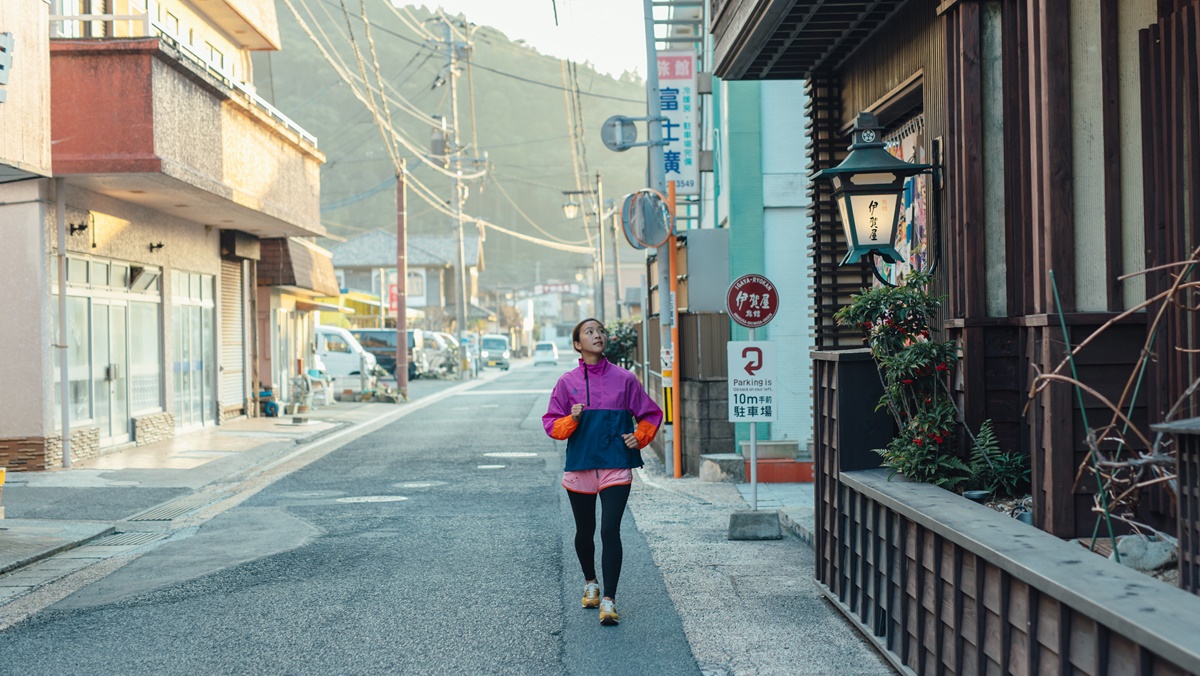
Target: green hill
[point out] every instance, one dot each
(522, 126)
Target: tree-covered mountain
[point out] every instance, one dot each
(511, 99)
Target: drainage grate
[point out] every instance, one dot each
(127, 539)
(180, 506)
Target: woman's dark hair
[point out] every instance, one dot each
(579, 327)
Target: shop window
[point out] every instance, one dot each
(118, 276)
(79, 340)
(906, 140)
(99, 274)
(77, 271)
(145, 359)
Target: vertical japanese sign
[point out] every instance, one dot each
(677, 99)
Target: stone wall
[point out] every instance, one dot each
(85, 444)
(35, 454)
(227, 412)
(705, 421)
(153, 427)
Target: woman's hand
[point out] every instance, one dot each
(630, 441)
(576, 412)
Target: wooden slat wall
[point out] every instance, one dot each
(1170, 54)
(1188, 469)
(934, 606)
(702, 339)
(913, 41)
(832, 285)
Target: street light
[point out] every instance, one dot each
(571, 210)
(867, 186)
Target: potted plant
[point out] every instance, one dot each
(915, 369)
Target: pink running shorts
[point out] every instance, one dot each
(592, 481)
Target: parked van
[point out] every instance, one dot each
(494, 350)
(342, 353)
(382, 344)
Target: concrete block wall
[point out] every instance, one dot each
(704, 418)
(153, 427)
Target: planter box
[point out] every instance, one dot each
(942, 585)
(782, 470)
(773, 449)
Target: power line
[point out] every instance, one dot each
(507, 74)
(343, 72)
(530, 220)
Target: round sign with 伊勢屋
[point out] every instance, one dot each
(752, 301)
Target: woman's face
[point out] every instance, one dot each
(592, 338)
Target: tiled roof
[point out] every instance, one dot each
(377, 249)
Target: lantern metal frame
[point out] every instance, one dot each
(869, 158)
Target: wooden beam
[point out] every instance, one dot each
(1057, 178)
(1111, 98)
(971, 144)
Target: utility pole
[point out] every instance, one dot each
(454, 151)
(616, 257)
(402, 280)
(600, 243)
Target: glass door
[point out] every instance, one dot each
(110, 364)
(195, 365)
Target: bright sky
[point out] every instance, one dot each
(609, 33)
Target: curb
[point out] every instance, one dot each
(800, 521)
(47, 553)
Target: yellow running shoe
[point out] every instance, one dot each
(591, 595)
(608, 613)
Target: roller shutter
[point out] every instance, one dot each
(233, 331)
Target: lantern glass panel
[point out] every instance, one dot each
(847, 228)
(874, 218)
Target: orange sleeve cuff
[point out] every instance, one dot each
(563, 427)
(645, 433)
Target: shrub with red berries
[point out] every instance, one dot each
(915, 372)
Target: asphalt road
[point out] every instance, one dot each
(409, 550)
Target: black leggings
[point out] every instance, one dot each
(583, 505)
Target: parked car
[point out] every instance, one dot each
(341, 352)
(382, 344)
(545, 352)
(494, 350)
(440, 354)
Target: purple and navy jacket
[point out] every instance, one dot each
(613, 400)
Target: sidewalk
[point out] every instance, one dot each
(54, 511)
(794, 502)
(747, 606)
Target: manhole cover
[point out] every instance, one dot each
(510, 454)
(419, 484)
(490, 466)
(373, 498)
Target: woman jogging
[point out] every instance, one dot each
(594, 408)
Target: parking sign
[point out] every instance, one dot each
(752, 381)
